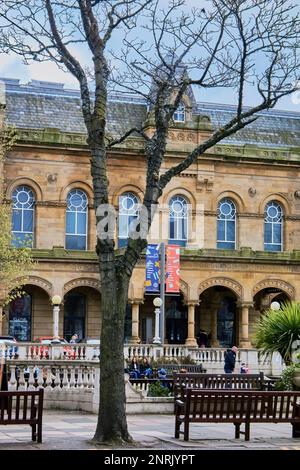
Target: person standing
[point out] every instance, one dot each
(230, 358)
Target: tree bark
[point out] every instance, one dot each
(112, 424)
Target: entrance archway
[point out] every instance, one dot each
(217, 316)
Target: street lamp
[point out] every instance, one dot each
(157, 302)
(275, 306)
(56, 302)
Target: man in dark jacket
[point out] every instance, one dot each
(230, 360)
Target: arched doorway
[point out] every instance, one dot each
(74, 315)
(30, 316)
(81, 313)
(175, 319)
(264, 298)
(217, 316)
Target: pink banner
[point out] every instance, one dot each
(173, 268)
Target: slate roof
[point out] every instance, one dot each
(41, 105)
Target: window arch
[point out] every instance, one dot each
(178, 226)
(76, 220)
(226, 224)
(23, 216)
(128, 214)
(273, 230)
(179, 114)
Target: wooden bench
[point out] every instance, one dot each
(237, 407)
(23, 407)
(175, 368)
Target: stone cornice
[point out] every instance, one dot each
(244, 255)
(56, 138)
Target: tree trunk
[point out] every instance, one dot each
(112, 424)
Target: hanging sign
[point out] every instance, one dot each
(152, 268)
(173, 268)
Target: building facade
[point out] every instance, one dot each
(241, 200)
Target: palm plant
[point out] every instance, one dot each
(276, 330)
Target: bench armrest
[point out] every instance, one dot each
(179, 403)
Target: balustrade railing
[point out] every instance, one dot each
(59, 376)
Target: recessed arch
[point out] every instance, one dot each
(25, 182)
(275, 283)
(82, 282)
(277, 198)
(236, 198)
(221, 281)
(180, 192)
(127, 188)
(77, 185)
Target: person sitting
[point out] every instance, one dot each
(146, 369)
(162, 375)
(244, 369)
(74, 339)
(134, 369)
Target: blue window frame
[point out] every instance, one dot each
(179, 115)
(23, 216)
(178, 227)
(273, 233)
(76, 220)
(226, 225)
(128, 214)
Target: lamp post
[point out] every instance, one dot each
(275, 306)
(56, 302)
(157, 302)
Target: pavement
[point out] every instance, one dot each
(69, 430)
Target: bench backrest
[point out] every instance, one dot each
(216, 381)
(23, 407)
(255, 406)
(172, 368)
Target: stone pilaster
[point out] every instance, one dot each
(135, 321)
(244, 341)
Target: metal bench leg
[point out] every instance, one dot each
(39, 435)
(247, 431)
(186, 430)
(33, 432)
(296, 430)
(237, 430)
(177, 428)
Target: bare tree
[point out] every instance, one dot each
(244, 45)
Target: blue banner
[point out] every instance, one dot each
(152, 268)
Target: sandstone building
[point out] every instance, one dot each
(245, 192)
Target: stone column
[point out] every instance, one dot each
(191, 340)
(214, 326)
(244, 341)
(135, 319)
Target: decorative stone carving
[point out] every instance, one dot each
(82, 282)
(252, 192)
(221, 281)
(278, 284)
(39, 282)
(205, 182)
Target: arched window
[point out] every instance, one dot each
(23, 215)
(178, 229)
(128, 214)
(179, 115)
(226, 225)
(273, 239)
(76, 220)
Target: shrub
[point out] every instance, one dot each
(286, 381)
(157, 390)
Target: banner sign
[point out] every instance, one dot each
(173, 268)
(152, 268)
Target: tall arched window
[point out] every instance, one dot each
(23, 215)
(128, 214)
(179, 115)
(273, 238)
(76, 220)
(226, 225)
(178, 229)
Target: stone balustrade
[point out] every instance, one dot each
(211, 358)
